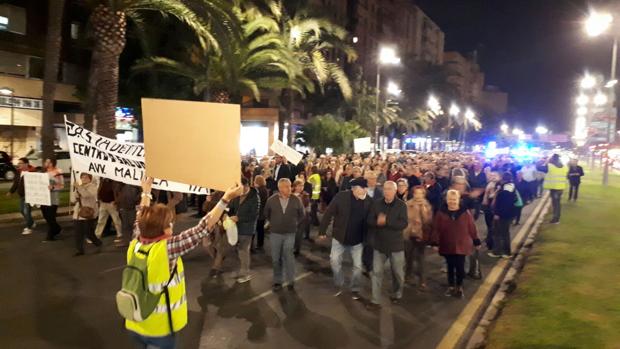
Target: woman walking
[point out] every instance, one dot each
(420, 217)
(85, 213)
(263, 194)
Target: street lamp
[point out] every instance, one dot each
(393, 89)
(504, 128)
(433, 104)
(7, 91)
(542, 130)
(587, 82)
(454, 110)
(582, 100)
(469, 117)
(600, 99)
(582, 111)
(597, 24)
(387, 56)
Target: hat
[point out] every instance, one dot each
(358, 182)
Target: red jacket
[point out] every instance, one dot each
(454, 232)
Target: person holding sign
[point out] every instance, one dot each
(85, 213)
(56, 185)
(23, 166)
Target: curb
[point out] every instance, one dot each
(36, 215)
(492, 309)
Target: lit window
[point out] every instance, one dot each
(75, 30)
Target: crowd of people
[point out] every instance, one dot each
(376, 208)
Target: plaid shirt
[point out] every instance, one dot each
(183, 243)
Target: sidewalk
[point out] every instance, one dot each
(36, 215)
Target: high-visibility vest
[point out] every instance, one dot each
(556, 177)
(157, 324)
(315, 180)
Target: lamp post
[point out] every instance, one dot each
(7, 91)
(387, 55)
(597, 24)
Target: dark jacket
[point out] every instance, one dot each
(284, 222)
(339, 210)
(378, 194)
(454, 232)
(345, 183)
(246, 212)
(127, 196)
(18, 183)
(328, 190)
(504, 205)
(434, 196)
(574, 174)
(263, 195)
(284, 172)
(388, 238)
(479, 181)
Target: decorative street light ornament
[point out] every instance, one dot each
(598, 23)
(582, 100)
(588, 82)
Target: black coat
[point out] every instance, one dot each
(284, 172)
(339, 210)
(247, 212)
(388, 238)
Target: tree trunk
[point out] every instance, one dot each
(109, 30)
(53, 42)
(91, 93)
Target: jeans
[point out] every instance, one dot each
(53, 228)
(518, 211)
(573, 192)
(335, 258)
(85, 228)
(303, 230)
(556, 202)
(107, 209)
(282, 257)
(26, 211)
(128, 218)
(397, 264)
(414, 255)
(243, 249)
(456, 269)
(488, 219)
(144, 342)
(502, 236)
(314, 208)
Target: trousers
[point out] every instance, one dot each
(282, 257)
(397, 265)
(335, 258)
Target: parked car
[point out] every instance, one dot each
(7, 170)
(63, 160)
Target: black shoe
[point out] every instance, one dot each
(291, 287)
(49, 240)
(373, 307)
(355, 295)
(296, 253)
(77, 254)
(276, 287)
(395, 300)
(214, 273)
(449, 292)
(458, 293)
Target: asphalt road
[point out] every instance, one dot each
(50, 299)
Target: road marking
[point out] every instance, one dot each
(461, 324)
(112, 269)
(269, 292)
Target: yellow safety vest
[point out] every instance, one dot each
(157, 324)
(556, 177)
(315, 180)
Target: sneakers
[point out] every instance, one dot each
(26, 231)
(449, 292)
(118, 239)
(458, 293)
(493, 255)
(244, 279)
(355, 295)
(395, 300)
(276, 287)
(373, 306)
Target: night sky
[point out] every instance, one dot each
(533, 49)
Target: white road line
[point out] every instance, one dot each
(112, 269)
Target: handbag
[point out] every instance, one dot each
(85, 212)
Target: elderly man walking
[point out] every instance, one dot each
(348, 210)
(284, 212)
(387, 220)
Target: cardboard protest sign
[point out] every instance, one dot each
(192, 142)
(36, 186)
(362, 145)
(108, 158)
(289, 153)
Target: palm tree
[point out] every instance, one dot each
(109, 22)
(53, 42)
(256, 61)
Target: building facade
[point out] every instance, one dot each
(465, 75)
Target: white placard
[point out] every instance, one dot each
(362, 145)
(36, 186)
(289, 153)
(108, 158)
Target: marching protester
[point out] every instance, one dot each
(349, 211)
(154, 240)
(555, 181)
(283, 212)
(575, 172)
(528, 172)
(127, 198)
(216, 244)
(403, 191)
(56, 185)
(374, 190)
(503, 213)
(315, 180)
(107, 208)
(263, 194)
(281, 170)
(490, 192)
(454, 235)
(433, 191)
(303, 229)
(329, 187)
(387, 219)
(23, 166)
(85, 213)
(244, 210)
(417, 234)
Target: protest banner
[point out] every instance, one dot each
(192, 142)
(362, 145)
(289, 153)
(36, 186)
(108, 158)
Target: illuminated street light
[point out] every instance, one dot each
(433, 104)
(393, 89)
(587, 82)
(454, 110)
(355, 39)
(597, 23)
(387, 55)
(600, 99)
(582, 100)
(504, 127)
(582, 111)
(469, 115)
(295, 33)
(611, 83)
(517, 132)
(542, 130)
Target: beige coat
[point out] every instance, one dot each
(420, 217)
